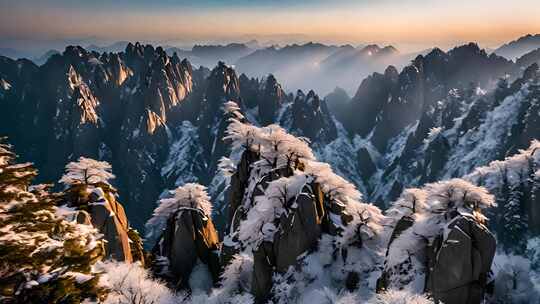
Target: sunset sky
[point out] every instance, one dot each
(409, 23)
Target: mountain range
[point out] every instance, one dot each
(159, 121)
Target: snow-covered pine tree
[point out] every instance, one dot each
(43, 257)
(87, 171)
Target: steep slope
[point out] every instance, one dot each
(519, 47)
(462, 132)
(111, 106)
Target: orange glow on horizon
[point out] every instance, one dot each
(435, 24)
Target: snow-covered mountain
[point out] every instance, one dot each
(160, 122)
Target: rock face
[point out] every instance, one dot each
(311, 118)
(439, 244)
(110, 106)
(455, 276)
(394, 100)
(270, 101)
(299, 232)
(189, 238)
(100, 209)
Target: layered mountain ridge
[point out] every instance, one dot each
(129, 108)
(159, 121)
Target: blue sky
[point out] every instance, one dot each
(400, 22)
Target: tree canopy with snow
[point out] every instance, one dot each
(87, 171)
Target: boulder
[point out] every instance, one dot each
(189, 238)
(299, 232)
(459, 265)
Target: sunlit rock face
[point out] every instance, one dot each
(96, 205)
(110, 106)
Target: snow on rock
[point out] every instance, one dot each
(183, 159)
(431, 205)
(285, 173)
(476, 147)
(189, 196)
(515, 166)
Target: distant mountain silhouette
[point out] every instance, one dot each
(209, 55)
(519, 47)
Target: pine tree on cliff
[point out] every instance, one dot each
(43, 257)
(89, 191)
(87, 171)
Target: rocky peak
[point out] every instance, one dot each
(187, 237)
(270, 100)
(311, 118)
(372, 94)
(222, 86)
(528, 59)
(388, 50)
(371, 49)
(391, 73)
(249, 89)
(86, 102)
(397, 101)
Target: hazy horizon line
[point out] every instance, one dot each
(44, 45)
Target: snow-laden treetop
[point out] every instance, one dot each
(441, 197)
(456, 193)
(514, 169)
(272, 142)
(87, 171)
(277, 148)
(432, 209)
(190, 196)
